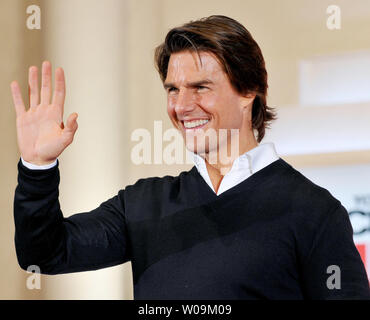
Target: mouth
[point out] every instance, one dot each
(194, 124)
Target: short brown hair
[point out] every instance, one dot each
(237, 51)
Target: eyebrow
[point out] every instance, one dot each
(194, 84)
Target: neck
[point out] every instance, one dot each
(218, 169)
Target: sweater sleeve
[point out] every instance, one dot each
(334, 269)
(81, 242)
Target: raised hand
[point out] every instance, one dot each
(41, 133)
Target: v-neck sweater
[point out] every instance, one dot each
(275, 235)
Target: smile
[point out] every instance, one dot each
(195, 123)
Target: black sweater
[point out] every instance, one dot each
(273, 236)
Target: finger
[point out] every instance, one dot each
(33, 87)
(59, 90)
(17, 98)
(46, 83)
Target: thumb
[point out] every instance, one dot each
(71, 127)
(72, 122)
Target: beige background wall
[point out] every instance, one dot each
(106, 49)
(19, 48)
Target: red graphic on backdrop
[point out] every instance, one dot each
(363, 250)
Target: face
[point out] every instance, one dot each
(200, 97)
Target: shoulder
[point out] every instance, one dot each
(309, 207)
(302, 191)
(305, 204)
(164, 180)
(155, 197)
(151, 190)
(310, 210)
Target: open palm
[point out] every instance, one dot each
(41, 134)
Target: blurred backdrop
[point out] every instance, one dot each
(319, 71)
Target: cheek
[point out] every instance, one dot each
(172, 113)
(170, 108)
(216, 105)
(227, 111)
(208, 103)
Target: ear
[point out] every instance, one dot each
(246, 104)
(246, 101)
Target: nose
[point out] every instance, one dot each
(184, 102)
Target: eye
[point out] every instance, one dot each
(201, 88)
(172, 89)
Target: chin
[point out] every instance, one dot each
(195, 149)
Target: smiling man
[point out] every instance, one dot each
(246, 226)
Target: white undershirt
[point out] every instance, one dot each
(243, 166)
(38, 167)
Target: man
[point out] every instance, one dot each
(247, 226)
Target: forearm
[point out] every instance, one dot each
(39, 232)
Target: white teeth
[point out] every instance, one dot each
(195, 123)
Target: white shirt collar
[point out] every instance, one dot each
(243, 166)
